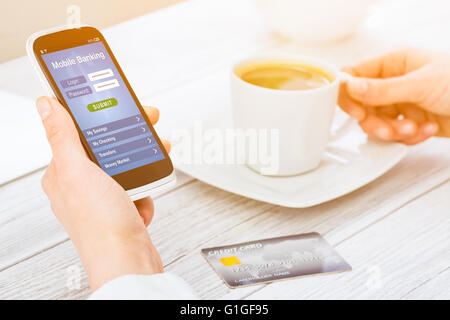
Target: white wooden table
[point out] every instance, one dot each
(395, 232)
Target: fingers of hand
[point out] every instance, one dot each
(388, 78)
(152, 114)
(390, 111)
(377, 128)
(48, 179)
(353, 108)
(145, 208)
(410, 111)
(425, 131)
(444, 125)
(166, 144)
(421, 116)
(381, 92)
(61, 132)
(384, 124)
(366, 68)
(390, 64)
(405, 130)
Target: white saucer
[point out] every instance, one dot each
(352, 161)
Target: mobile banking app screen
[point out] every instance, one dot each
(103, 107)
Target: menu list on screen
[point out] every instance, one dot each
(103, 107)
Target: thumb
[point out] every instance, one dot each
(381, 92)
(61, 132)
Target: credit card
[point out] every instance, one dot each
(269, 260)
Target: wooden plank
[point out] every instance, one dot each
(58, 265)
(178, 214)
(436, 288)
(27, 225)
(390, 257)
(356, 211)
(197, 216)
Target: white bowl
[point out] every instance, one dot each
(314, 21)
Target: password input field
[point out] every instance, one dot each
(105, 85)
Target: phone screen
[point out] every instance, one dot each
(103, 107)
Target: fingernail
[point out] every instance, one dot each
(383, 133)
(407, 128)
(431, 129)
(43, 107)
(358, 85)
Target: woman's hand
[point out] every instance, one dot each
(402, 96)
(107, 228)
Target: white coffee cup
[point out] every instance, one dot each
(301, 118)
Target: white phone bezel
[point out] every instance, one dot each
(151, 189)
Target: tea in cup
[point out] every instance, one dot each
(292, 97)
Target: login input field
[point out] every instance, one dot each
(101, 74)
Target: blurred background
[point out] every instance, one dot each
(25, 17)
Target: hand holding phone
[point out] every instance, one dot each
(81, 71)
(107, 228)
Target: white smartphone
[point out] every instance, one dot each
(78, 67)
